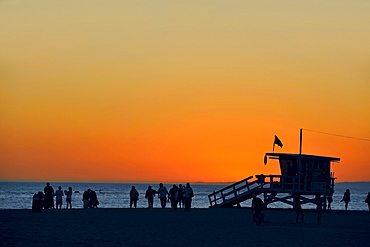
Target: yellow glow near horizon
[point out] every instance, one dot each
(180, 91)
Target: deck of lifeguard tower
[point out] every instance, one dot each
(310, 176)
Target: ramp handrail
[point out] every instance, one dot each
(231, 190)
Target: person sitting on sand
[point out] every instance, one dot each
(134, 196)
(59, 197)
(150, 194)
(346, 198)
(49, 196)
(68, 197)
(298, 209)
(367, 200)
(188, 195)
(162, 194)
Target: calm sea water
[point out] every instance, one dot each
(18, 195)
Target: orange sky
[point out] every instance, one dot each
(180, 90)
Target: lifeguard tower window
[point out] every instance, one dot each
(288, 167)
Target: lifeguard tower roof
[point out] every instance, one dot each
(303, 156)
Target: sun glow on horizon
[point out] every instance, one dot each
(180, 91)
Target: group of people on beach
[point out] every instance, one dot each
(89, 197)
(49, 194)
(178, 196)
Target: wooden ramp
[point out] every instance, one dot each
(236, 193)
(273, 187)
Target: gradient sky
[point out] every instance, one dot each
(125, 91)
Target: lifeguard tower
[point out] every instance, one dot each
(301, 176)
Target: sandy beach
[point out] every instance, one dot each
(163, 227)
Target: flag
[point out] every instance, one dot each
(277, 142)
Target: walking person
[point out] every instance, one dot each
(180, 196)
(319, 205)
(330, 200)
(49, 196)
(257, 207)
(298, 209)
(134, 196)
(68, 197)
(150, 194)
(162, 194)
(173, 197)
(346, 198)
(188, 195)
(59, 197)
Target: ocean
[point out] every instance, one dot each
(18, 195)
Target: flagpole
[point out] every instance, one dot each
(300, 141)
(299, 159)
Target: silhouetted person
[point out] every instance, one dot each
(150, 194)
(86, 198)
(257, 207)
(49, 193)
(38, 202)
(330, 200)
(298, 209)
(188, 195)
(68, 194)
(319, 205)
(346, 198)
(367, 200)
(59, 197)
(93, 200)
(162, 194)
(180, 196)
(134, 196)
(173, 196)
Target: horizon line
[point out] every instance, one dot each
(137, 182)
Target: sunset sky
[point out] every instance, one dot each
(138, 91)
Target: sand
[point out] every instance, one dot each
(163, 227)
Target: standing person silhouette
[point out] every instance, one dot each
(86, 198)
(150, 194)
(162, 194)
(49, 193)
(257, 207)
(298, 209)
(319, 204)
(330, 200)
(94, 202)
(346, 198)
(173, 196)
(68, 197)
(188, 195)
(59, 197)
(134, 196)
(367, 200)
(180, 196)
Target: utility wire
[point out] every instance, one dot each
(362, 139)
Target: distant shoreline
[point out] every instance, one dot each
(115, 182)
